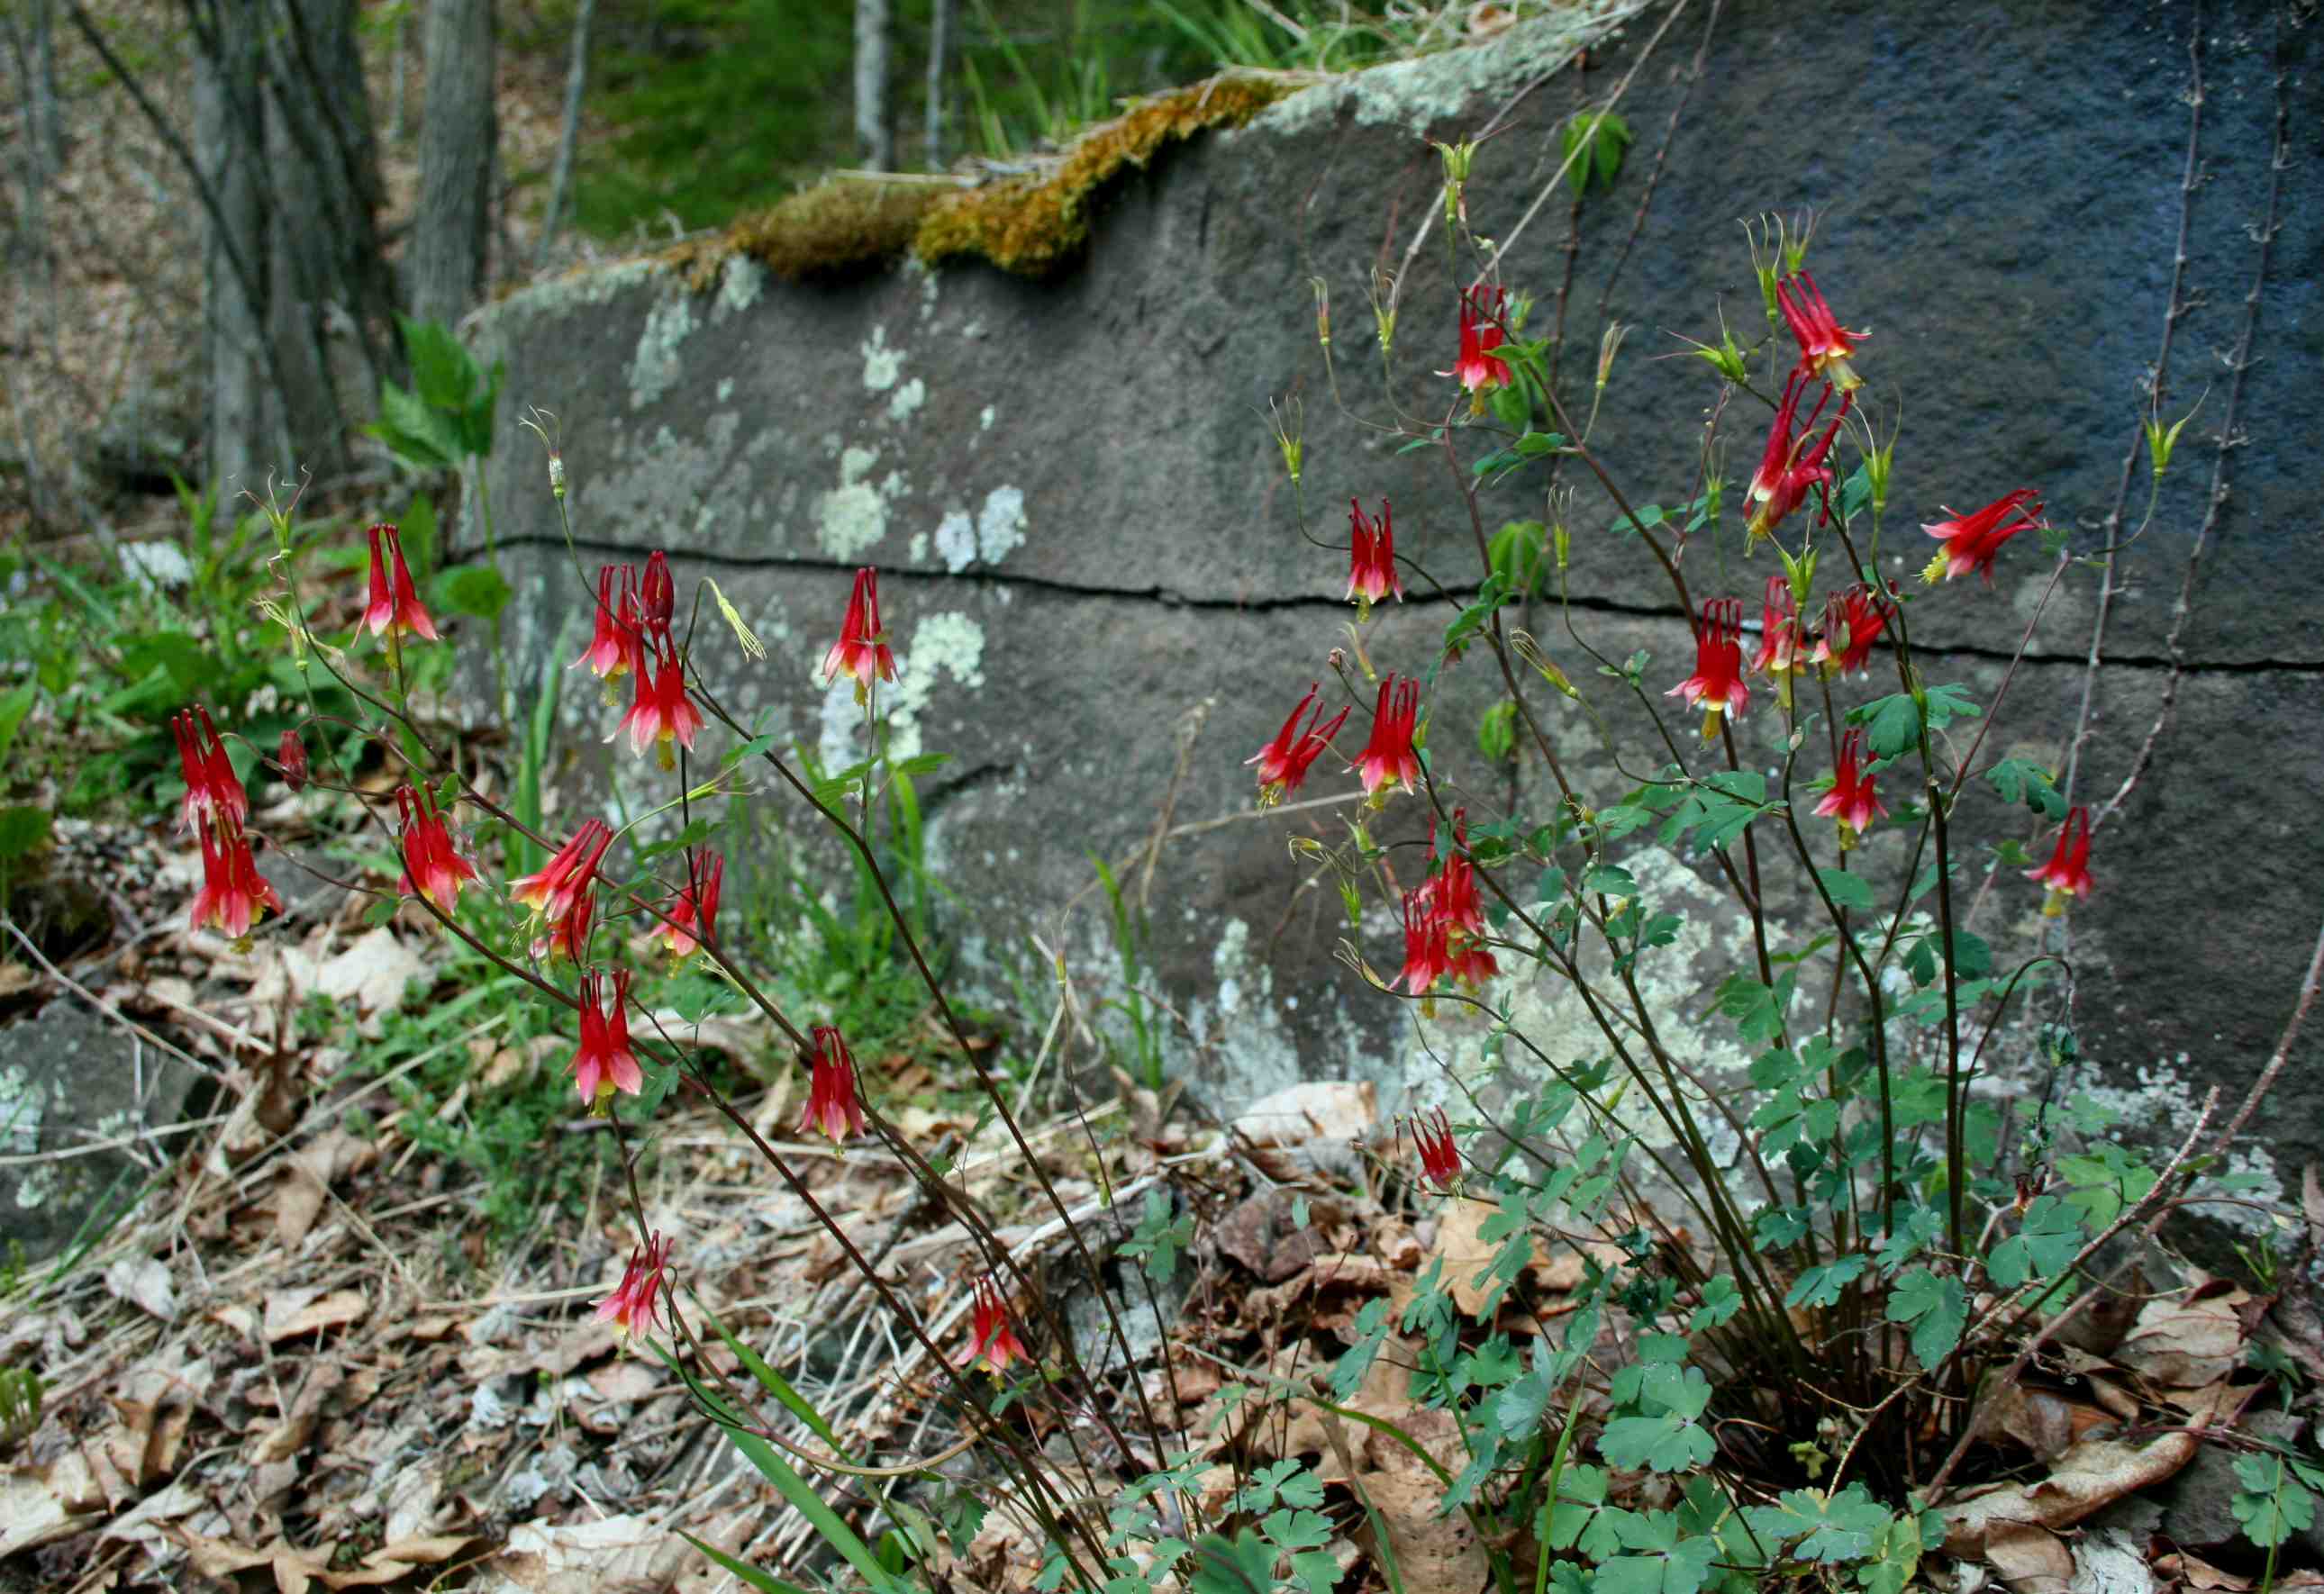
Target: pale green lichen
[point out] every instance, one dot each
(656, 366)
(1418, 95)
(881, 364)
(852, 516)
(947, 646)
(740, 283)
(906, 399)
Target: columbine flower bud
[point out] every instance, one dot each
(291, 757)
(1323, 310)
(557, 475)
(657, 594)
(1290, 425)
(1384, 311)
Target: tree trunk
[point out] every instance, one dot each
(323, 165)
(875, 130)
(246, 433)
(940, 50)
(568, 132)
(456, 133)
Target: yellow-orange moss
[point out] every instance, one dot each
(1032, 224)
(835, 229)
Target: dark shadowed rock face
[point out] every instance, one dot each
(1083, 529)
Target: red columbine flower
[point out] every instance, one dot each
(1478, 370)
(1371, 559)
(631, 1306)
(1283, 763)
(2068, 872)
(617, 646)
(1453, 892)
(1388, 758)
(291, 758)
(211, 786)
(1790, 466)
(568, 932)
(551, 893)
(1825, 346)
(1852, 622)
(395, 604)
(662, 711)
(1781, 644)
(862, 650)
(233, 896)
(992, 1337)
(831, 1106)
(656, 595)
(1427, 950)
(1851, 800)
(432, 867)
(1973, 542)
(693, 913)
(1717, 684)
(1440, 1158)
(603, 1063)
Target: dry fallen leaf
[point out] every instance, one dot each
(145, 1283)
(1434, 1554)
(308, 1311)
(2087, 1479)
(41, 1504)
(2186, 1342)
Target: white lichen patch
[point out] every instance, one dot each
(906, 399)
(881, 364)
(20, 1113)
(917, 548)
(1419, 94)
(726, 389)
(852, 516)
(985, 420)
(655, 367)
(740, 283)
(997, 530)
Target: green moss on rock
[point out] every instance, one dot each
(1032, 224)
(843, 228)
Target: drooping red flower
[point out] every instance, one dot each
(1826, 346)
(1481, 334)
(1440, 1157)
(568, 932)
(1973, 542)
(693, 912)
(1782, 644)
(604, 1063)
(1717, 686)
(1371, 559)
(212, 788)
(1790, 467)
(1389, 758)
(656, 595)
(1853, 623)
(861, 651)
(617, 645)
(2068, 872)
(1427, 951)
(432, 867)
(662, 713)
(1451, 892)
(1283, 763)
(395, 604)
(993, 1336)
(832, 1108)
(631, 1306)
(1852, 799)
(551, 892)
(233, 896)
(291, 758)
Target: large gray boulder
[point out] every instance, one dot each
(1084, 528)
